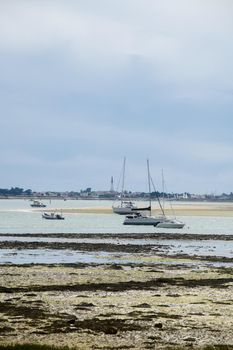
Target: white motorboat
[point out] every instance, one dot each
(53, 216)
(170, 223)
(37, 204)
(139, 219)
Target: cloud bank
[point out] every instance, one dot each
(85, 83)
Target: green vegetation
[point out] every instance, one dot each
(15, 191)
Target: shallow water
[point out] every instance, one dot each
(47, 256)
(16, 216)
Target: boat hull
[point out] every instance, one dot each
(141, 220)
(170, 225)
(52, 217)
(37, 204)
(129, 210)
(122, 210)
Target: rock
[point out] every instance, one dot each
(158, 325)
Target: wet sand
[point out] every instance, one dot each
(116, 306)
(155, 302)
(152, 247)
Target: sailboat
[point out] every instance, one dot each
(126, 206)
(139, 219)
(168, 222)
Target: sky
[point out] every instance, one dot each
(85, 83)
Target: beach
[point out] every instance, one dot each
(117, 306)
(112, 288)
(145, 300)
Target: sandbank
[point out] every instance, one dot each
(179, 209)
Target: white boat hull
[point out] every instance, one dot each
(122, 210)
(52, 216)
(142, 220)
(128, 209)
(170, 224)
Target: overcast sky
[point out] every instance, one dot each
(84, 83)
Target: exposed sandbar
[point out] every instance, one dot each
(180, 209)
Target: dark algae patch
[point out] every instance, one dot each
(12, 309)
(107, 326)
(124, 286)
(153, 235)
(116, 306)
(33, 347)
(151, 341)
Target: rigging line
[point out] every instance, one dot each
(149, 182)
(163, 189)
(118, 185)
(123, 179)
(161, 207)
(119, 180)
(170, 202)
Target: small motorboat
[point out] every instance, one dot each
(139, 219)
(37, 204)
(53, 216)
(170, 223)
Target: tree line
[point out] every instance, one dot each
(15, 191)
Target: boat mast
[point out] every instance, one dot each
(149, 185)
(123, 182)
(163, 186)
(157, 196)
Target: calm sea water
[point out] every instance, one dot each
(16, 216)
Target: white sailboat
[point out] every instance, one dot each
(168, 222)
(139, 219)
(126, 206)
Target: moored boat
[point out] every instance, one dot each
(170, 223)
(126, 206)
(139, 219)
(53, 216)
(37, 204)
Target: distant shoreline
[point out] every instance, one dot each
(112, 199)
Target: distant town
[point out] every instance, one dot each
(88, 193)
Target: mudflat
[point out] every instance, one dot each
(146, 305)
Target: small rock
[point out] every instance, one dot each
(158, 325)
(190, 339)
